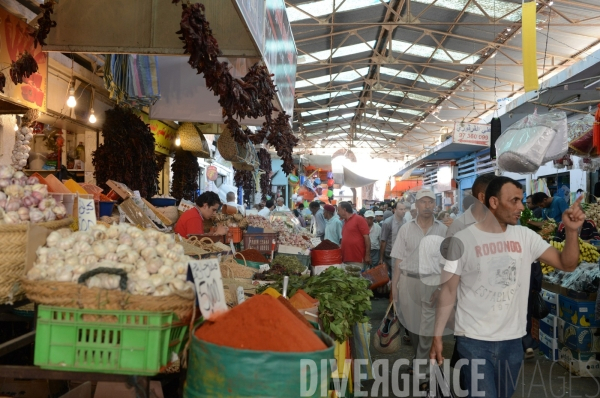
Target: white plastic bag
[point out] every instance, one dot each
(532, 141)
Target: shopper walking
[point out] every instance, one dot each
(389, 232)
(317, 225)
(356, 244)
(487, 268)
(333, 225)
(415, 277)
(374, 236)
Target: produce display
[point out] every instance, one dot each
(290, 263)
(587, 253)
(592, 212)
(265, 178)
(230, 220)
(548, 230)
(244, 178)
(326, 245)
(154, 263)
(251, 255)
(276, 272)
(343, 299)
(23, 67)
(288, 235)
(24, 199)
(585, 278)
(260, 323)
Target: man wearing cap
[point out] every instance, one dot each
(389, 232)
(333, 225)
(415, 277)
(374, 235)
(379, 217)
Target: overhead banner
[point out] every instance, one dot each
(163, 134)
(529, 49)
(15, 40)
(472, 133)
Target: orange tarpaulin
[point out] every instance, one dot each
(402, 186)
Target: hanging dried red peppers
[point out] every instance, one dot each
(45, 23)
(185, 175)
(2, 82)
(244, 179)
(23, 67)
(283, 140)
(127, 154)
(265, 165)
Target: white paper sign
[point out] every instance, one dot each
(472, 133)
(209, 286)
(315, 241)
(86, 213)
(264, 267)
(240, 295)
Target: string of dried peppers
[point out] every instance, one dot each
(264, 159)
(251, 96)
(185, 175)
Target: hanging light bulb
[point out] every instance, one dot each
(177, 141)
(71, 101)
(16, 128)
(377, 113)
(92, 116)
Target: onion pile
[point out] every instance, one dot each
(20, 152)
(24, 199)
(155, 264)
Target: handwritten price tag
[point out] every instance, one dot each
(315, 241)
(240, 295)
(86, 213)
(209, 286)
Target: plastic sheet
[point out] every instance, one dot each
(581, 137)
(533, 141)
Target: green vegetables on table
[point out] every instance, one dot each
(291, 263)
(343, 299)
(526, 215)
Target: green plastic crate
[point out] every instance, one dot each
(106, 341)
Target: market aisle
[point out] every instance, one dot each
(542, 377)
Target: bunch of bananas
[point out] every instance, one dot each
(587, 253)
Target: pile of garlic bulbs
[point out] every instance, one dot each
(154, 263)
(20, 152)
(24, 199)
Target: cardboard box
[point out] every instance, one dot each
(548, 341)
(583, 364)
(578, 312)
(24, 388)
(551, 299)
(285, 249)
(550, 287)
(578, 338)
(574, 294)
(550, 353)
(549, 326)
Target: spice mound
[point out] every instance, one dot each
(326, 245)
(260, 323)
(251, 255)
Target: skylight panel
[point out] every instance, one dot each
(338, 52)
(323, 96)
(394, 108)
(420, 50)
(325, 7)
(494, 8)
(387, 119)
(346, 76)
(330, 109)
(329, 119)
(436, 81)
(416, 97)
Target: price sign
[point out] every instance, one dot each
(264, 267)
(209, 286)
(315, 241)
(240, 295)
(86, 212)
(472, 133)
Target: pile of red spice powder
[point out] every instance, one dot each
(326, 245)
(251, 255)
(260, 323)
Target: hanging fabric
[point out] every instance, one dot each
(496, 131)
(132, 79)
(596, 130)
(529, 32)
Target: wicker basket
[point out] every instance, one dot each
(193, 140)
(13, 252)
(73, 295)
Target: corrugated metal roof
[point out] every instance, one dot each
(415, 66)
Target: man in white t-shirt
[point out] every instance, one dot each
(487, 271)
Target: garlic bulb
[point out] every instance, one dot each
(35, 215)
(125, 239)
(99, 249)
(73, 261)
(131, 256)
(65, 232)
(180, 268)
(161, 249)
(152, 234)
(165, 239)
(140, 243)
(81, 236)
(163, 290)
(156, 280)
(111, 257)
(135, 232)
(153, 265)
(167, 272)
(122, 248)
(81, 246)
(53, 239)
(65, 243)
(148, 252)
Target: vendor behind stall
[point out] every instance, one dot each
(192, 221)
(587, 231)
